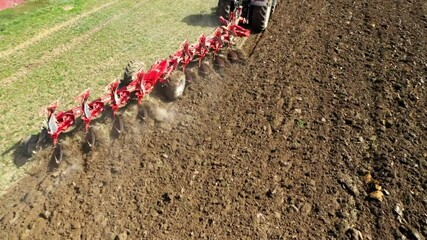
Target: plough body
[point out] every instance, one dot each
(144, 82)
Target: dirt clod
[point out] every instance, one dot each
(46, 215)
(354, 234)
(75, 225)
(116, 170)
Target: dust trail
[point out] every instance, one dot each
(54, 29)
(23, 71)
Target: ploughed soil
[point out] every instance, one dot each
(320, 134)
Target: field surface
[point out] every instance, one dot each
(53, 50)
(321, 134)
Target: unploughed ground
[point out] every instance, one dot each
(277, 148)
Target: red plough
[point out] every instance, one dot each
(144, 82)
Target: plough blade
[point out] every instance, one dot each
(142, 113)
(204, 69)
(117, 126)
(233, 56)
(57, 153)
(219, 62)
(90, 138)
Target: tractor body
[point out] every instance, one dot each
(257, 12)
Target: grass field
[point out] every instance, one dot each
(56, 49)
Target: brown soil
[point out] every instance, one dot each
(278, 148)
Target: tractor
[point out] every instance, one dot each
(256, 12)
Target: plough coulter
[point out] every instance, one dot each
(170, 73)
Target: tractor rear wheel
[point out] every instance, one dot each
(224, 8)
(129, 74)
(261, 16)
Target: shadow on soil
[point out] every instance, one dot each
(202, 19)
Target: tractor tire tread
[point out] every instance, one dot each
(130, 70)
(260, 18)
(224, 9)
